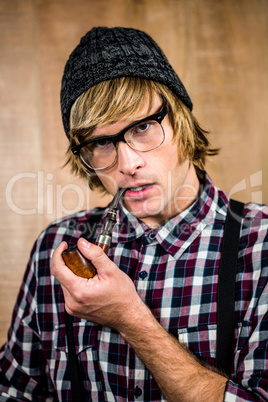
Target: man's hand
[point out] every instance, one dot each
(108, 299)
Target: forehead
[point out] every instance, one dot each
(135, 112)
(143, 110)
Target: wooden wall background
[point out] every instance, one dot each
(218, 48)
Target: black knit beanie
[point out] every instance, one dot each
(106, 53)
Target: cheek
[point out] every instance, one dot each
(108, 181)
(170, 159)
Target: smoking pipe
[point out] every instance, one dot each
(75, 260)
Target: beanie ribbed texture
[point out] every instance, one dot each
(106, 53)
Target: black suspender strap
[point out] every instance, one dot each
(226, 287)
(77, 387)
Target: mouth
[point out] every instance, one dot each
(138, 191)
(138, 188)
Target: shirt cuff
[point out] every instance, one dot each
(236, 393)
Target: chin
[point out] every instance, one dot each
(145, 211)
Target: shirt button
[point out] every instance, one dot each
(137, 392)
(143, 274)
(151, 236)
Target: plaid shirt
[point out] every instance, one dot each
(175, 271)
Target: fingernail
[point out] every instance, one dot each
(85, 243)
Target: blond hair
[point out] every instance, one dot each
(123, 98)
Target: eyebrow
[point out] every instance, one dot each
(125, 129)
(87, 132)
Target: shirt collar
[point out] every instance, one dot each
(179, 232)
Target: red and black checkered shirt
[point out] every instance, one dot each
(175, 271)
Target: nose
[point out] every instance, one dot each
(128, 160)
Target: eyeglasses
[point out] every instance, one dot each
(143, 135)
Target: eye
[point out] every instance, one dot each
(101, 143)
(141, 128)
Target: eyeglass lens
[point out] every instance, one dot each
(144, 137)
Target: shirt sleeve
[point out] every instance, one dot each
(23, 367)
(250, 373)
(252, 370)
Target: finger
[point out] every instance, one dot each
(96, 255)
(57, 259)
(68, 301)
(61, 272)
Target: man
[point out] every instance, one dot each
(145, 325)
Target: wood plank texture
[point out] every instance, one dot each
(218, 48)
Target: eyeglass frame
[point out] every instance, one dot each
(115, 138)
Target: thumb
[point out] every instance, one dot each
(96, 255)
